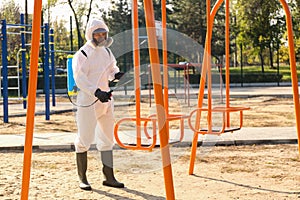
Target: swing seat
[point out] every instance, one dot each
(138, 145)
(151, 118)
(220, 109)
(170, 117)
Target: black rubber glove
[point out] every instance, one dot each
(119, 75)
(103, 96)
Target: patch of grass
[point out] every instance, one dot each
(283, 69)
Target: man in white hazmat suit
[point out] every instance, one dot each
(93, 66)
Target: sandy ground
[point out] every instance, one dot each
(227, 172)
(264, 112)
(234, 172)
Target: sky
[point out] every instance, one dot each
(58, 12)
(31, 5)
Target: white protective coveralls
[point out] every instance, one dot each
(95, 123)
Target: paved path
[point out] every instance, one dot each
(257, 135)
(248, 135)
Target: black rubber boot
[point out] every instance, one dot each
(107, 161)
(81, 160)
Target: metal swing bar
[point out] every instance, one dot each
(153, 118)
(206, 71)
(159, 99)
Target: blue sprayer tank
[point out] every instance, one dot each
(72, 88)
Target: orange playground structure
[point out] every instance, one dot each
(162, 116)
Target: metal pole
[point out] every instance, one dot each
(289, 27)
(165, 58)
(24, 70)
(278, 63)
(136, 62)
(26, 20)
(206, 64)
(71, 34)
(46, 71)
(157, 85)
(227, 63)
(4, 70)
(52, 66)
(35, 42)
(241, 48)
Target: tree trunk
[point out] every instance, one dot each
(80, 39)
(261, 60)
(271, 56)
(89, 13)
(235, 55)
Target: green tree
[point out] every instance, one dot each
(11, 13)
(257, 28)
(295, 9)
(189, 17)
(118, 17)
(62, 43)
(157, 12)
(47, 9)
(81, 11)
(118, 20)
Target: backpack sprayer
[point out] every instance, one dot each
(73, 89)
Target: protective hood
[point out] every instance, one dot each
(92, 25)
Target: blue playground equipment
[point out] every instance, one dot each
(48, 47)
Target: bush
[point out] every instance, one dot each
(255, 78)
(247, 78)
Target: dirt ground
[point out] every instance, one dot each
(232, 172)
(221, 172)
(264, 112)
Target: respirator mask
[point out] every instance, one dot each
(100, 38)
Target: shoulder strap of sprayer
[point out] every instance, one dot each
(83, 52)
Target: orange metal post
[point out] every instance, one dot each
(228, 108)
(35, 43)
(136, 56)
(201, 89)
(165, 58)
(157, 83)
(206, 57)
(292, 66)
(227, 60)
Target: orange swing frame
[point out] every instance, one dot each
(206, 70)
(143, 121)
